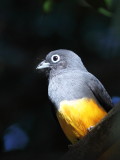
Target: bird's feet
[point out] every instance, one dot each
(90, 128)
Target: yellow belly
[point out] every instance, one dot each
(75, 117)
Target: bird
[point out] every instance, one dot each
(80, 100)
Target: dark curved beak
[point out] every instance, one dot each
(43, 65)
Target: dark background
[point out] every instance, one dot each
(28, 31)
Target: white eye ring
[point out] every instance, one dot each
(55, 58)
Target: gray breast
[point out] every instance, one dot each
(68, 86)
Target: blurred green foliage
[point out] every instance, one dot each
(105, 12)
(47, 6)
(109, 3)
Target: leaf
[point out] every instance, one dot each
(105, 12)
(108, 3)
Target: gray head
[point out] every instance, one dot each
(61, 60)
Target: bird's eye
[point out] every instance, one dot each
(55, 58)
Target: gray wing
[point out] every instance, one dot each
(99, 91)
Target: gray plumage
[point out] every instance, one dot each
(70, 80)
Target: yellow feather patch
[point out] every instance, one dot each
(75, 117)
